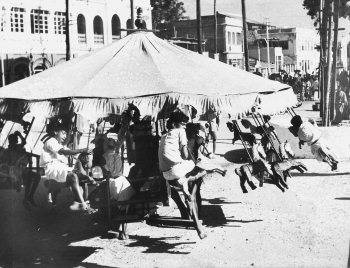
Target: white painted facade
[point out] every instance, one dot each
(299, 45)
(13, 42)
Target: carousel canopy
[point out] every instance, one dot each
(150, 72)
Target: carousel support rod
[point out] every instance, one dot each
(30, 126)
(3, 144)
(269, 125)
(41, 132)
(108, 204)
(240, 137)
(268, 137)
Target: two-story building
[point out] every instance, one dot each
(229, 35)
(33, 32)
(299, 47)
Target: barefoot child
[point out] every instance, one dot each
(173, 153)
(82, 169)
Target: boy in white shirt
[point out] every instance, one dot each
(310, 133)
(173, 152)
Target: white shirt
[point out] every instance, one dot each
(308, 132)
(169, 152)
(50, 152)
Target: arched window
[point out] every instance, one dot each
(115, 27)
(81, 28)
(98, 30)
(81, 24)
(98, 25)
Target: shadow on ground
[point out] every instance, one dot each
(213, 216)
(219, 201)
(158, 244)
(237, 156)
(314, 174)
(342, 198)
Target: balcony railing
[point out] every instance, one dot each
(98, 39)
(82, 38)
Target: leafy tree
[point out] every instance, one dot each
(313, 7)
(166, 12)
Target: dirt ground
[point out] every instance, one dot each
(307, 226)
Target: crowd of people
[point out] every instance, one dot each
(178, 152)
(306, 87)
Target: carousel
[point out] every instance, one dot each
(120, 97)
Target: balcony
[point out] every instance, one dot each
(82, 38)
(98, 39)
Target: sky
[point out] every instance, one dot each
(289, 13)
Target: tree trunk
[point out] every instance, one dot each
(323, 43)
(326, 118)
(326, 13)
(335, 55)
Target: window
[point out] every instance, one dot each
(98, 30)
(228, 38)
(239, 39)
(98, 25)
(81, 28)
(59, 22)
(233, 38)
(115, 26)
(17, 24)
(39, 21)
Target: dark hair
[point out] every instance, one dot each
(296, 121)
(192, 130)
(83, 157)
(250, 139)
(178, 117)
(13, 139)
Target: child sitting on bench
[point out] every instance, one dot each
(82, 169)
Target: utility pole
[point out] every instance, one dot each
(245, 39)
(336, 4)
(215, 29)
(199, 26)
(67, 32)
(132, 14)
(268, 47)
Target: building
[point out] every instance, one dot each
(299, 47)
(229, 35)
(259, 59)
(32, 32)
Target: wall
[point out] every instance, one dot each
(51, 46)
